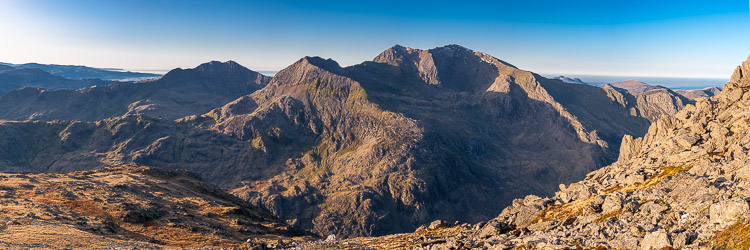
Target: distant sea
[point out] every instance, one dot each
(669, 82)
(268, 72)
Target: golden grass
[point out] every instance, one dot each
(735, 236)
(575, 208)
(653, 180)
(607, 216)
(564, 211)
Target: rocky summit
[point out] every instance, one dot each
(376, 148)
(684, 185)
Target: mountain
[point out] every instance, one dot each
(177, 94)
(682, 185)
(129, 207)
(632, 86)
(375, 148)
(571, 80)
(83, 72)
(12, 79)
(447, 133)
(698, 93)
(638, 87)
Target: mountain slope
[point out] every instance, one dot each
(177, 94)
(128, 207)
(12, 79)
(682, 185)
(375, 148)
(415, 135)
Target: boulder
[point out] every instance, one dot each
(656, 240)
(494, 228)
(687, 141)
(437, 224)
(611, 204)
(726, 211)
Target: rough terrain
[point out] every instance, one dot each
(130, 207)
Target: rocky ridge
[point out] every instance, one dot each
(179, 93)
(12, 79)
(682, 185)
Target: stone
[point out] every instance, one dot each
(494, 228)
(331, 238)
(687, 141)
(726, 211)
(656, 240)
(437, 224)
(611, 204)
(683, 239)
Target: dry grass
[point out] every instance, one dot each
(735, 236)
(396, 241)
(575, 208)
(124, 206)
(564, 211)
(607, 216)
(653, 180)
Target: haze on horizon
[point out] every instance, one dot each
(698, 39)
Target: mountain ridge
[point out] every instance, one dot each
(682, 185)
(375, 148)
(177, 94)
(77, 72)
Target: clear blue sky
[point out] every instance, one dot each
(624, 38)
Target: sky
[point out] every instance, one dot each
(693, 39)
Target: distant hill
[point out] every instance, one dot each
(177, 94)
(571, 80)
(83, 72)
(13, 78)
(698, 93)
(632, 86)
(638, 87)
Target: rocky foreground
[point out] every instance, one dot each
(130, 207)
(685, 184)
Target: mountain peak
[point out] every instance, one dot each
(741, 75)
(311, 64)
(220, 66)
(326, 64)
(452, 48)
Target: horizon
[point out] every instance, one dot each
(640, 39)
